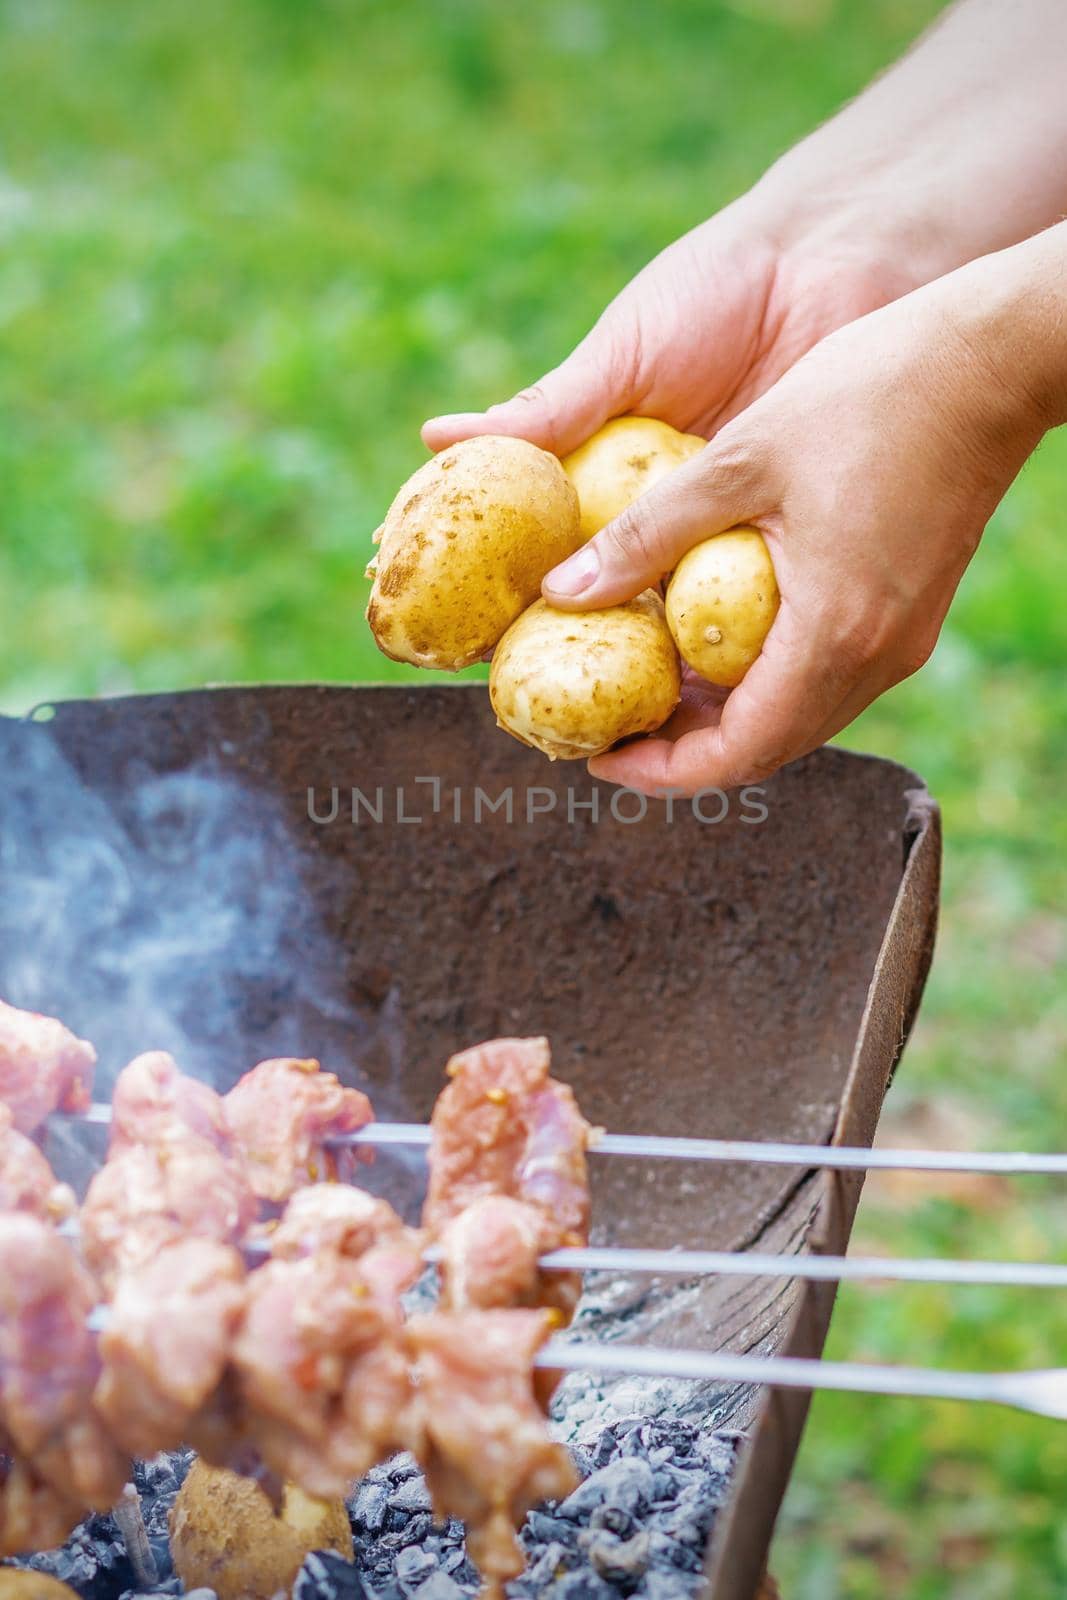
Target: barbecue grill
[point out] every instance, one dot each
(710, 971)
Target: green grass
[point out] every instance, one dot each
(244, 249)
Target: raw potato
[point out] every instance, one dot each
(573, 683)
(19, 1583)
(224, 1534)
(464, 548)
(619, 463)
(721, 601)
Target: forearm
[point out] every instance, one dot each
(959, 149)
(1010, 311)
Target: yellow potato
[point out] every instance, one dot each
(464, 548)
(20, 1583)
(573, 683)
(626, 457)
(225, 1536)
(721, 601)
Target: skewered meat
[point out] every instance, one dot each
(503, 1126)
(149, 1196)
(33, 1515)
(167, 1342)
(43, 1067)
(154, 1103)
(336, 1216)
(49, 1365)
(482, 1437)
(27, 1182)
(281, 1114)
(321, 1365)
(505, 1136)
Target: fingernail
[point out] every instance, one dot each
(577, 574)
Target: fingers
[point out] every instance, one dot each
(715, 490)
(560, 412)
(793, 698)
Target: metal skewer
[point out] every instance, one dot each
(1007, 1163)
(763, 1264)
(1042, 1392)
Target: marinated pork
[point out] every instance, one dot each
(33, 1515)
(49, 1365)
(149, 1196)
(167, 1342)
(339, 1217)
(321, 1365)
(282, 1115)
(43, 1067)
(505, 1131)
(481, 1434)
(27, 1182)
(503, 1126)
(154, 1103)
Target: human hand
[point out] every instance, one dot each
(708, 326)
(871, 468)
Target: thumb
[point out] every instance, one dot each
(716, 490)
(562, 410)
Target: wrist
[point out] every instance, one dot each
(821, 201)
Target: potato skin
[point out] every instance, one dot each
(464, 548)
(620, 462)
(20, 1583)
(721, 601)
(573, 683)
(224, 1534)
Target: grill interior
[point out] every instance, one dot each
(730, 978)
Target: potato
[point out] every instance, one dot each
(721, 601)
(225, 1536)
(573, 683)
(615, 466)
(464, 548)
(19, 1583)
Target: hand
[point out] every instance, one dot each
(871, 468)
(708, 326)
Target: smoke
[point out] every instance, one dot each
(178, 919)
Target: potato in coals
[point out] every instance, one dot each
(225, 1536)
(721, 601)
(464, 548)
(573, 683)
(21, 1583)
(620, 462)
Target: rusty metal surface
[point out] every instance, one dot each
(731, 978)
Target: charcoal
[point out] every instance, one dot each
(369, 1508)
(620, 1561)
(636, 1528)
(93, 1561)
(582, 1585)
(326, 1575)
(614, 1519)
(669, 1586)
(663, 1551)
(439, 1586)
(626, 1482)
(552, 1561)
(412, 1530)
(411, 1495)
(413, 1566)
(546, 1527)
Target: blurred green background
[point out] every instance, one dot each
(245, 249)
